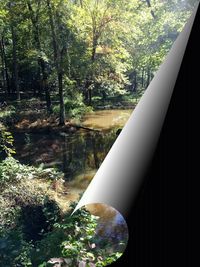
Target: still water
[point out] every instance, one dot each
(78, 155)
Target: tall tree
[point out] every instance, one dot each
(13, 28)
(59, 51)
(34, 16)
(3, 70)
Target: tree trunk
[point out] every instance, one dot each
(94, 48)
(149, 5)
(45, 86)
(41, 62)
(58, 57)
(135, 82)
(61, 99)
(148, 76)
(142, 77)
(88, 90)
(6, 66)
(15, 61)
(53, 33)
(3, 68)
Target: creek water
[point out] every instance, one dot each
(78, 155)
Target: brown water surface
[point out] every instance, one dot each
(78, 155)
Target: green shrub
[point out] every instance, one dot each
(73, 241)
(27, 213)
(11, 172)
(7, 113)
(32, 231)
(14, 251)
(6, 142)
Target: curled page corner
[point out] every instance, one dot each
(117, 181)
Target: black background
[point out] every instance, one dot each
(160, 220)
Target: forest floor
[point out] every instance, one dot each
(31, 116)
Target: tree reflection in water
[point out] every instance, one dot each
(72, 154)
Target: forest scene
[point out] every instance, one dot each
(71, 74)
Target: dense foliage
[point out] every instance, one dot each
(70, 51)
(74, 242)
(25, 209)
(33, 230)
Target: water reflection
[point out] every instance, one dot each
(72, 154)
(112, 230)
(79, 154)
